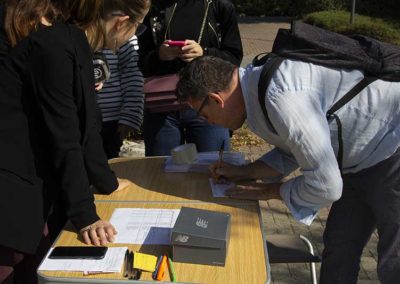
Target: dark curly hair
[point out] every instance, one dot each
(202, 76)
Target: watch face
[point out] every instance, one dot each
(101, 71)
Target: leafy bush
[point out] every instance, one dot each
(339, 21)
(298, 8)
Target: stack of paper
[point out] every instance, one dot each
(112, 262)
(203, 161)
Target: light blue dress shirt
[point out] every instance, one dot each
(297, 100)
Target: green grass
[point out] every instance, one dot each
(387, 30)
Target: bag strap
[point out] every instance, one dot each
(203, 24)
(169, 14)
(341, 102)
(351, 94)
(272, 63)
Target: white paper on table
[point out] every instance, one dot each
(143, 226)
(218, 189)
(203, 160)
(112, 262)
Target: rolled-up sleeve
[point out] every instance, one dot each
(300, 122)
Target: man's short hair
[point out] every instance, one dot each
(204, 75)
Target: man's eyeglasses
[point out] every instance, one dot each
(203, 103)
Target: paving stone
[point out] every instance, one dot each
(368, 264)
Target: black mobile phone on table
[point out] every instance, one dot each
(67, 252)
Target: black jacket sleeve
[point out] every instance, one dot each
(98, 170)
(53, 74)
(231, 45)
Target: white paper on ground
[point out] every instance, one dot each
(143, 226)
(218, 189)
(112, 262)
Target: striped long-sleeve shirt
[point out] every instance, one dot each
(121, 97)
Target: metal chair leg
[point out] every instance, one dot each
(312, 264)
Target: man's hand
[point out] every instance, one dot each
(255, 191)
(98, 233)
(123, 184)
(191, 51)
(220, 171)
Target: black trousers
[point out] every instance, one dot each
(370, 199)
(111, 140)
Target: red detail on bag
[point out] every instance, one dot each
(160, 94)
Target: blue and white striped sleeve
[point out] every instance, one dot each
(131, 85)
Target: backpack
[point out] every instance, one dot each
(311, 44)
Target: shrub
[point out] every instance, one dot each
(298, 8)
(339, 21)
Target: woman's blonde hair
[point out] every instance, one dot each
(90, 15)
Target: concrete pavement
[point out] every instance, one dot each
(257, 36)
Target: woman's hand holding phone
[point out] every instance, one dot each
(168, 52)
(185, 50)
(191, 50)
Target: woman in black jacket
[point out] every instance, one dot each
(50, 147)
(208, 27)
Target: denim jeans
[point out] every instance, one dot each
(164, 131)
(370, 199)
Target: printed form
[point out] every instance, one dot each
(112, 262)
(143, 226)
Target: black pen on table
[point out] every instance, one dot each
(130, 266)
(126, 262)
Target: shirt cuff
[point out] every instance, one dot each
(302, 214)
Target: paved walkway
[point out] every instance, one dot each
(257, 36)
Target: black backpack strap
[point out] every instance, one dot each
(351, 94)
(271, 65)
(344, 100)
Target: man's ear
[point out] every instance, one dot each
(216, 97)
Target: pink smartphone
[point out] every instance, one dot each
(176, 43)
